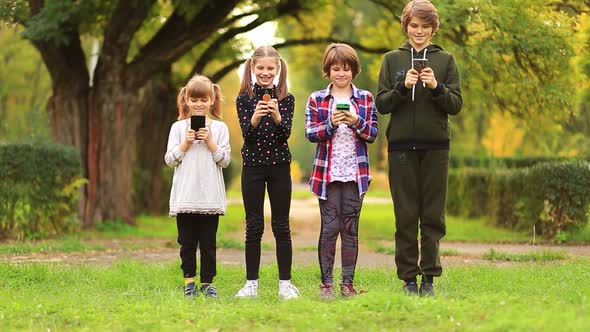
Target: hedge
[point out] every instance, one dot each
(505, 162)
(39, 190)
(552, 196)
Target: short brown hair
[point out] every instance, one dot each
(339, 53)
(423, 9)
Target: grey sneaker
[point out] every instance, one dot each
(426, 289)
(411, 288)
(209, 291)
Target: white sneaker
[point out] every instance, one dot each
(250, 290)
(287, 290)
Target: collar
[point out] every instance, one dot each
(325, 93)
(259, 90)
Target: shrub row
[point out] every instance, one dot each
(505, 162)
(552, 196)
(39, 190)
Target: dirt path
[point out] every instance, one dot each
(304, 235)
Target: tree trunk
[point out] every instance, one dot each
(68, 118)
(157, 110)
(111, 142)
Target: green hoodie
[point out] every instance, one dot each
(421, 124)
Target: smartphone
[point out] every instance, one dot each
(197, 122)
(420, 64)
(342, 107)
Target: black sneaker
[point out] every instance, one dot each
(411, 288)
(426, 289)
(190, 290)
(209, 291)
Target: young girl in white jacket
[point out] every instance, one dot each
(197, 197)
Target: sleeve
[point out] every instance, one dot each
(174, 155)
(390, 93)
(316, 129)
(449, 99)
(249, 133)
(222, 155)
(286, 109)
(367, 127)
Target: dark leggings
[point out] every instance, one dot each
(198, 230)
(340, 214)
(255, 181)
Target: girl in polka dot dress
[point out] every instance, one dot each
(341, 119)
(265, 112)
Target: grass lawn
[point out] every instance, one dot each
(139, 297)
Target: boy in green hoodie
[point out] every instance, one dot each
(419, 85)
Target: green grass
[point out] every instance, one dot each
(544, 256)
(378, 223)
(390, 250)
(139, 297)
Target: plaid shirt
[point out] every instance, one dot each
(318, 129)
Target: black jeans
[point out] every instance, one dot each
(255, 181)
(198, 230)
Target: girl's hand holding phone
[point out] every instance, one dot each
(273, 109)
(260, 111)
(189, 137)
(350, 118)
(204, 135)
(337, 117)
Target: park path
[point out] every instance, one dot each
(305, 230)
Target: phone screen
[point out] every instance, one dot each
(342, 107)
(197, 122)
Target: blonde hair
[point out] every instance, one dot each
(340, 53)
(423, 9)
(199, 86)
(264, 52)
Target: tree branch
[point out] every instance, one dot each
(218, 75)
(175, 38)
(284, 8)
(124, 23)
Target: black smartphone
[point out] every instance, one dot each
(420, 64)
(342, 107)
(197, 122)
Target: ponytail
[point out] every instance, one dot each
(246, 85)
(282, 90)
(183, 110)
(216, 107)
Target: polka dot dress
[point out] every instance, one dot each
(266, 144)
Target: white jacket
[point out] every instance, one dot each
(197, 185)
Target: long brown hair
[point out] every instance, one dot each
(199, 86)
(264, 52)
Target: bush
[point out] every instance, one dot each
(39, 187)
(553, 197)
(504, 162)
